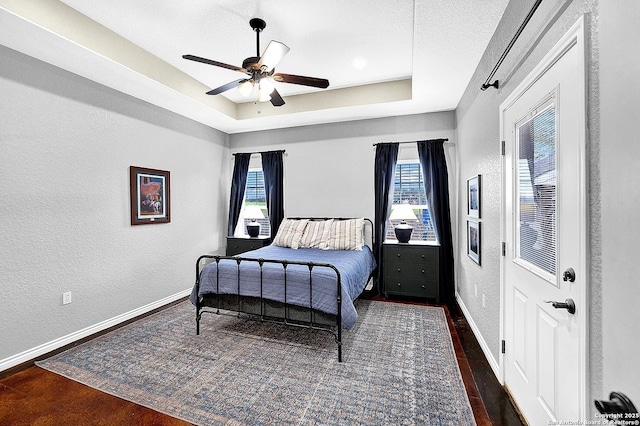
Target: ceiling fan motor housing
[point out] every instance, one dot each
(251, 65)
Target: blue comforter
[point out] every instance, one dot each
(354, 266)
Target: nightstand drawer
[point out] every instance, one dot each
(238, 245)
(412, 288)
(407, 270)
(401, 254)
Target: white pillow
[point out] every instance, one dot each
(346, 235)
(316, 234)
(289, 233)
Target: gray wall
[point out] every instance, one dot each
(329, 167)
(619, 167)
(613, 91)
(479, 145)
(66, 145)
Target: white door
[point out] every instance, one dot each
(543, 126)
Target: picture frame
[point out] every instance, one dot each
(150, 191)
(474, 196)
(474, 241)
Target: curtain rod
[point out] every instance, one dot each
(260, 152)
(495, 84)
(427, 140)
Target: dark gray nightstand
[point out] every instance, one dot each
(238, 245)
(411, 269)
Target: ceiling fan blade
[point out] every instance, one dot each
(212, 62)
(227, 86)
(273, 54)
(302, 80)
(276, 99)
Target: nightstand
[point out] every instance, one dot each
(411, 269)
(238, 245)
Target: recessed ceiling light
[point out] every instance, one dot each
(359, 62)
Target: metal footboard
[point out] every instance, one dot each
(246, 304)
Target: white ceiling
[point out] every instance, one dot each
(382, 57)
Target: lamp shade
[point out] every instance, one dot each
(253, 212)
(265, 89)
(246, 88)
(403, 212)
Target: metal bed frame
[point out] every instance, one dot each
(261, 309)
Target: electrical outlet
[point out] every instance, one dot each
(66, 298)
(484, 301)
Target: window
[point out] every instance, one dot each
(536, 239)
(408, 187)
(254, 191)
(255, 195)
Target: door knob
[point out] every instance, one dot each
(618, 403)
(569, 275)
(568, 304)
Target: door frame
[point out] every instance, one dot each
(574, 38)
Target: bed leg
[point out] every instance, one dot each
(339, 341)
(198, 321)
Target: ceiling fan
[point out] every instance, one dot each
(261, 70)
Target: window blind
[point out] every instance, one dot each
(537, 190)
(408, 187)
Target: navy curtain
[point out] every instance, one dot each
(384, 173)
(436, 183)
(238, 185)
(273, 169)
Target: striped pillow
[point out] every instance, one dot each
(346, 235)
(289, 233)
(316, 234)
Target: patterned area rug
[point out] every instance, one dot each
(399, 369)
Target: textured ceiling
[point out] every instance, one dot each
(382, 58)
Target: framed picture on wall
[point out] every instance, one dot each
(473, 240)
(150, 196)
(474, 196)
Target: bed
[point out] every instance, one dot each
(309, 276)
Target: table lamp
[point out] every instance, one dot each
(253, 212)
(403, 212)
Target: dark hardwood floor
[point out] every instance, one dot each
(496, 400)
(30, 395)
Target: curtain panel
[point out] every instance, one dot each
(384, 173)
(273, 170)
(436, 183)
(238, 185)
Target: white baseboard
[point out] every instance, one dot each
(495, 365)
(33, 353)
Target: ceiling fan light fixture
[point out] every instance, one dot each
(246, 88)
(267, 85)
(263, 95)
(263, 98)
